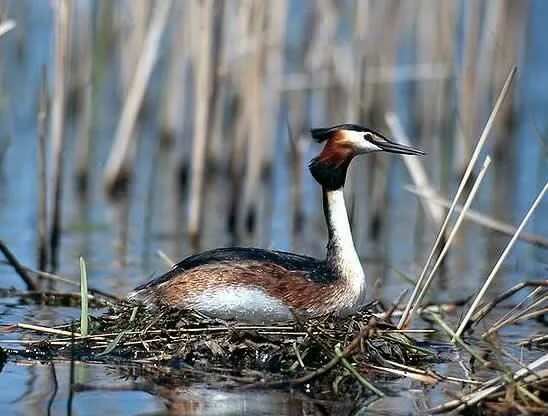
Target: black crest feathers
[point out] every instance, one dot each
(322, 134)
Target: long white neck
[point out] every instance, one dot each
(341, 253)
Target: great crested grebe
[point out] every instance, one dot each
(260, 285)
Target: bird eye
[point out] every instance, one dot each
(369, 137)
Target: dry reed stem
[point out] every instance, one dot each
(62, 45)
(6, 26)
(434, 374)
(460, 189)
(507, 316)
(452, 234)
(480, 218)
(115, 166)
(533, 340)
(296, 150)
(57, 297)
(485, 309)
(173, 105)
(85, 57)
(468, 93)
(374, 75)
(490, 387)
(276, 19)
(46, 330)
(526, 313)
(56, 278)
(416, 170)
(133, 32)
(411, 373)
(254, 112)
(506, 376)
(167, 260)
(216, 98)
(43, 248)
(501, 259)
(202, 70)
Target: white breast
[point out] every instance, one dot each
(242, 303)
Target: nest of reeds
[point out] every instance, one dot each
(278, 348)
(327, 352)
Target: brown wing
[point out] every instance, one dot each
(313, 268)
(293, 287)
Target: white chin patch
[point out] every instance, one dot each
(357, 140)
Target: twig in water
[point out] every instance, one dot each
(18, 267)
(45, 329)
(449, 241)
(72, 371)
(395, 304)
(459, 341)
(356, 374)
(489, 388)
(412, 373)
(55, 387)
(500, 261)
(506, 376)
(525, 314)
(464, 180)
(52, 298)
(499, 349)
(298, 355)
(58, 278)
(534, 341)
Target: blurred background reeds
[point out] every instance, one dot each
(128, 127)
